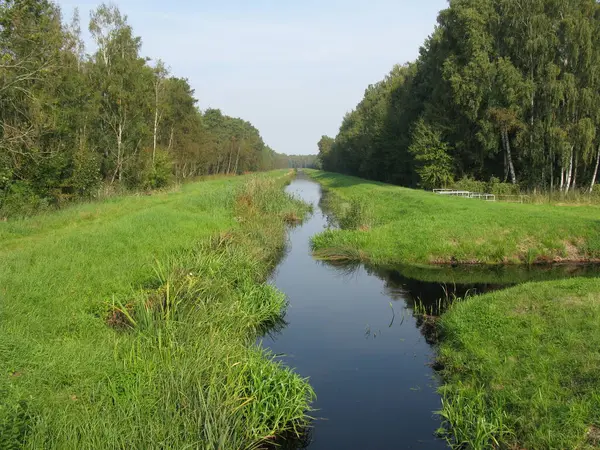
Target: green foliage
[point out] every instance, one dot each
(157, 173)
(434, 165)
(71, 120)
(20, 199)
(358, 215)
(494, 186)
(507, 89)
(85, 178)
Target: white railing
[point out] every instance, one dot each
(466, 194)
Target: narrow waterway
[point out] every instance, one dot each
(358, 343)
(352, 332)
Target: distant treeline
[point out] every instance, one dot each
(71, 121)
(503, 90)
(300, 161)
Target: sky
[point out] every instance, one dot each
(291, 68)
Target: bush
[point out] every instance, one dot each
(494, 186)
(19, 199)
(148, 174)
(357, 215)
(85, 178)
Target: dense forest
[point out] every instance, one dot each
(72, 122)
(503, 90)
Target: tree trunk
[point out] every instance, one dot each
(229, 165)
(562, 178)
(155, 130)
(511, 166)
(171, 139)
(595, 171)
(574, 184)
(237, 158)
(117, 173)
(551, 173)
(569, 172)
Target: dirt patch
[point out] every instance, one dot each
(593, 436)
(429, 328)
(291, 218)
(119, 319)
(442, 261)
(572, 253)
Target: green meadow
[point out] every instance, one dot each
(131, 323)
(386, 224)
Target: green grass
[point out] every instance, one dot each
(522, 367)
(130, 323)
(387, 224)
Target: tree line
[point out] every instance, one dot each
(72, 121)
(503, 90)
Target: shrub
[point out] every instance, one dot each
(19, 199)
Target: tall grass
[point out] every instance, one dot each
(169, 362)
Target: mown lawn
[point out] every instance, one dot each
(387, 224)
(522, 367)
(129, 323)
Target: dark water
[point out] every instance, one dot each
(351, 330)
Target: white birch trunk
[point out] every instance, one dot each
(511, 167)
(595, 171)
(569, 172)
(155, 131)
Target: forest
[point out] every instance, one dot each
(502, 91)
(73, 123)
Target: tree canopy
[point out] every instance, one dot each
(71, 120)
(502, 88)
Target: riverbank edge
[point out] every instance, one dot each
(259, 398)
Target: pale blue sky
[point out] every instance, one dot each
(293, 69)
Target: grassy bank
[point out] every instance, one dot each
(387, 224)
(130, 323)
(522, 367)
